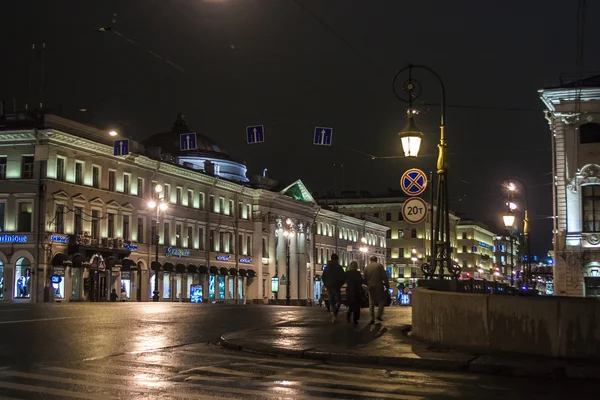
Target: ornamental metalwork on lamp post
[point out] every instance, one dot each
(512, 189)
(411, 138)
(288, 232)
(159, 205)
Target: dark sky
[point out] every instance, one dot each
(271, 62)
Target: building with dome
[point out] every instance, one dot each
(208, 157)
(77, 221)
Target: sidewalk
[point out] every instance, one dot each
(389, 344)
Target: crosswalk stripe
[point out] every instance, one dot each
(130, 369)
(255, 359)
(54, 392)
(224, 371)
(101, 374)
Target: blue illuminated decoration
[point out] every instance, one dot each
(177, 252)
(223, 258)
(487, 246)
(196, 293)
(56, 278)
(130, 246)
(13, 238)
(221, 287)
(246, 260)
(59, 238)
(211, 286)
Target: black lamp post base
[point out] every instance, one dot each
(156, 297)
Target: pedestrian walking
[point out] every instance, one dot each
(354, 292)
(378, 283)
(333, 279)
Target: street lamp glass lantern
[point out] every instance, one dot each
(163, 206)
(151, 204)
(158, 188)
(509, 219)
(112, 133)
(411, 137)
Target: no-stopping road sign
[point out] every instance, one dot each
(414, 210)
(413, 182)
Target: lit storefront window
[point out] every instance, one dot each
(231, 287)
(240, 288)
(166, 285)
(22, 279)
(59, 287)
(178, 278)
(126, 284)
(190, 282)
(1, 279)
(211, 287)
(221, 287)
(152, 284)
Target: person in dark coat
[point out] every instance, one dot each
(333, 279)
(113, 295)
(354, 292)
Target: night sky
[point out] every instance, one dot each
(295, 64)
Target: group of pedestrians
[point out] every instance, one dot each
(375, 278)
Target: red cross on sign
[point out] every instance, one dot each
(413, 182)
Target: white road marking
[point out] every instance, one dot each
(54, 392)
(21, 321)
(255, 359)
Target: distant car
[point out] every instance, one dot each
(364, 303)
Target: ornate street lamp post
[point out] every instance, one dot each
(159, 205)
(363, 249)
(411, 140)
(512, 188)
(509, 220)
(288, 233)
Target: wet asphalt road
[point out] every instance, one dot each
(159, 351)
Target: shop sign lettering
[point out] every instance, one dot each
(130, 246)
(246, 260)
(177, 252)
(13, 238)
(222, 258)
(59, 238)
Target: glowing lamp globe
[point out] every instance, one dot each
(411, 137)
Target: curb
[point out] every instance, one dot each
(477, 364)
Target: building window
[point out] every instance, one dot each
(388, 234)
(265, 249)
(249, 245)
(211, 203)
(190, 198)
(201, 201)
(464, 263)
(112, 180)
(25, 213)
(474, 249)
(231, 207)
(388, 253)
(125, 227)
(211, 240)
(126, 183)
(401, 252)
(78, 220)
(59, 218)
(60, 168)
(221, 242)
(400, 216)
(3, 161)
(96, 176)
(388, 216)
(464, 249)
(591, 208)
(154, 233)
(140, 187)
(248, 211)
(27, 167)
(221, 205)
(167, 192)
(464, 235)
(140, 230)
(201, 238)
(95, 224)
(111, 225)
(190, 237)
(400, 233)
(240, 210)
(166, 233)
(589, 133)
(2, 217)
(240, 244)
(178, 235)
(376, 215)
(413, 233)
(79, 172)
(179, 195)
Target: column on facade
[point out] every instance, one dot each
(302, 260)
(272, 249)
(281, 264)
(294, 271)
(257, 256)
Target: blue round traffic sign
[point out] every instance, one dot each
(413, 182)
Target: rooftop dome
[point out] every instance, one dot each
(169, 142)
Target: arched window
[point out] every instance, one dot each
(591, 208)
(589, 133)
(22, 279)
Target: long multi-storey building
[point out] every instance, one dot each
(573, 114)
(407, 245)
(475, 250)
(75, 221)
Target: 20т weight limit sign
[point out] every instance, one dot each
(414, 210)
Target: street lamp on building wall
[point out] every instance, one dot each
(288, 232)
(411, 139)
(161, 206)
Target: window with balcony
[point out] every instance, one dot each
(79, 172)
(60, 168)
(27, 167)
(591, 208)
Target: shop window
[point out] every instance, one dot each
(3, 161)
(188, 286)
(59, 218)
(96, 176)
(112, 180)
(230, 287)
(22, 279)
(240, 288)
(178, 281)
(211, 287)
(152, 280)
(25, 213)
(79, 172)
(591, 208)
(59, 287)
(166, 285)
(60, 168)
(1, 279)
(221, 287)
